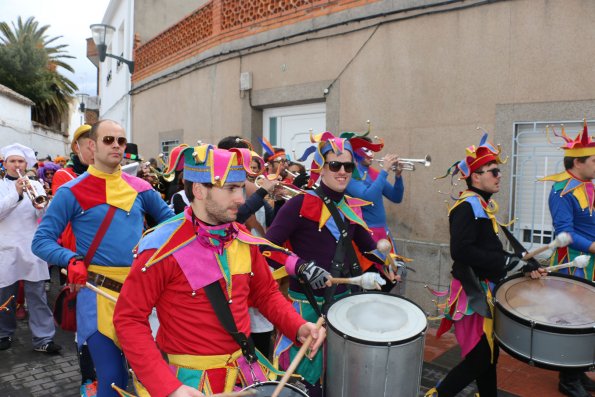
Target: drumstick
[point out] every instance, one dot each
(562, 240)
(94, 288)
(580, 262)
(366, 281)
(296, 360)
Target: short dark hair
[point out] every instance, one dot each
(569, 161)
(188, 189)
(233, 141)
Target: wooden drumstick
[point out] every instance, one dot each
(94, 288)
(296, 360)
(580, 262)
(562, 240)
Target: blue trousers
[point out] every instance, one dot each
(41, 320)
(110, 365)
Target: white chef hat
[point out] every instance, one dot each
(16, 149)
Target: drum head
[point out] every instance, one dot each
(554, 301)
(377, 318)
(266, 389)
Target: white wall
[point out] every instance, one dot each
(15, 112)
(115, 101)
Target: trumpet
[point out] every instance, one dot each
(166, 177)
(282, 190)
(408, 164)
(36, 198)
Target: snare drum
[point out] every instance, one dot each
(548, 322)
(375, 346)
(266, 389)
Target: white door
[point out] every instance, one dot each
(289, 127)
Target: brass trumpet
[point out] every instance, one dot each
(36, 198)
(166, 177)
(282, 190)
(409, 164)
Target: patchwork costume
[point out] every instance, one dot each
(372, 185)
(572, 204)
(85, 202)
(179, 263)
(306, 226)
(479, 263)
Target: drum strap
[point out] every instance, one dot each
(344, 251)
(223, 312)
(518, 248)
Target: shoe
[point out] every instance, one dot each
(49, 348)
(21, 312)
(89, 388)
(573, 388)
(432, 393)
(588, 383)
(5, 343)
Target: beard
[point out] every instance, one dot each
(217, 212)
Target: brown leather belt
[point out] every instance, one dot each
(99, 280)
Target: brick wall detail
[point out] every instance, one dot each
(221, 21)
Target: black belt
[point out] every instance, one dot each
(99, 280)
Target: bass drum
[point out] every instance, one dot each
(375, 346)
(266, 389)
(547, 322)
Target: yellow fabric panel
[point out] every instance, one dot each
(238, 258)
(118, 193)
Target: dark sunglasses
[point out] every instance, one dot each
(335, 166)
(495, 172)
(282, 161)
(108, 140)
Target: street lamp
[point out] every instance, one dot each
(102, 36)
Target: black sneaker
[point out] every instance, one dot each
(5, 343)
(49, 348)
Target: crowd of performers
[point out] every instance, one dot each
(205, 240)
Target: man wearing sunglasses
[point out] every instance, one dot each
(313, 224)
(479, 262)
(572, 205)
(201, 271)
(106, 209)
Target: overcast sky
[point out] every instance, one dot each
(69, 19)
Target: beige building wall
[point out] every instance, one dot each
(425, 83)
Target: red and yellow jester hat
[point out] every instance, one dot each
(475, 158)
(581, 146)
(173, 163)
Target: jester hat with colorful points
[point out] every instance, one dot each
(173, 163)
(209, 164)
(325, 142)
(581, 146)
(475, 158)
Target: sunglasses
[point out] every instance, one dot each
(108, 140)
(282, 161)
(494, 171)
(335, 166)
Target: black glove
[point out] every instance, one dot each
(314, 275)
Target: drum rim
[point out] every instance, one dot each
(375, 343)
(537, 325)
(539, 363)
(273, 382)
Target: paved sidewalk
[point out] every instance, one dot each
(25, 373)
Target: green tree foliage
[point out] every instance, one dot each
(28, 65)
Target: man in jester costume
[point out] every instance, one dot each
(106, 210)
(307, 225)
(572, 203)
(181, 266)
(371, 184)
(479, 262)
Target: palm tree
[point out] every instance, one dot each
(28, 65)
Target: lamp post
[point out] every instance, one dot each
(82, 98)
(102, 37)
